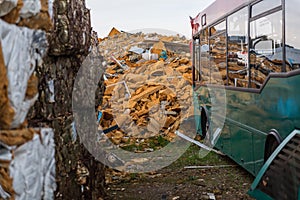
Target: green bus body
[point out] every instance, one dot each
(251, 116)
(256, 116)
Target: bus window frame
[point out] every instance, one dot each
(248, 7)
(266, 13)
(262, 12)
(224, 20)
(261, 15)
(212, 36)
(200, 52)
(196, 49)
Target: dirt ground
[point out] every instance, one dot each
(224, 180)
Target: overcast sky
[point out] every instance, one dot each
(130, 15)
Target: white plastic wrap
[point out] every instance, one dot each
(3, 194)
(30, 8)
(6, 6)
(51, 91)
(23, 49)
(50, 8)
(33, 168)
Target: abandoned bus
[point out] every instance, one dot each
(251, 50)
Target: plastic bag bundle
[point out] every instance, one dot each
(30, 8)
(32, 167)
(24, 49)
(6, 6)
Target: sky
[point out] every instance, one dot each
(131, 15)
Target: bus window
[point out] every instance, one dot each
(264, 6)
(238, 49)
(204, 57)
(221, 27)
(266, 47)
(292, 35)
(217, 46)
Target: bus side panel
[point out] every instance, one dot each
(278, 103)
(202, 100)
(276, 107)
(243, 118)
(210, 102)
(242, 150)
(271, 116)
(197, 112)
(251, 116)
(258, 151)
(224, 142)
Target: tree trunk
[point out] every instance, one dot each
(78, 174)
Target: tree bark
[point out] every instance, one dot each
(78, 174)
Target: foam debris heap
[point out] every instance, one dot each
(148, 89)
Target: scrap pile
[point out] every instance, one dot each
(27, 164)
(148, 81)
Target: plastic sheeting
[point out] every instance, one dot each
(50, 8)
(24, 49)
(6, 6)
(30, 8)
(3, 194)
(33, 168)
